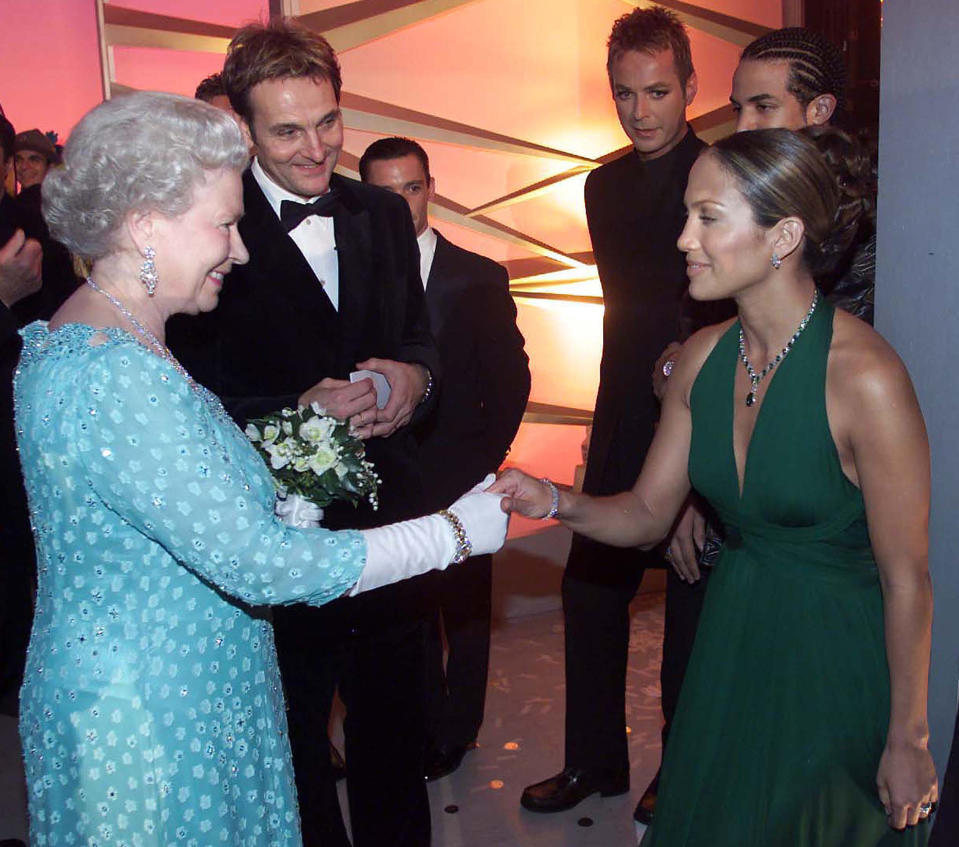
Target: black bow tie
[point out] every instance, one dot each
(292, 214)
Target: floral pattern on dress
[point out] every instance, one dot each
(151, 710)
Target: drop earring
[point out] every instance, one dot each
(148, 271)
(775, 261)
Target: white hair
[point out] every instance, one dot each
(138, 152)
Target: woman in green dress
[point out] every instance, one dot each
(802, 720)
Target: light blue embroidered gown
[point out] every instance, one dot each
(151, 710)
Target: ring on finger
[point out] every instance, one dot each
(925, 809)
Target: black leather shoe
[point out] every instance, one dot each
(646, 807)
(442, 761)
(569, 787)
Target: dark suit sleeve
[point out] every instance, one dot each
(503, 368)
(9, 340)
(416, 343)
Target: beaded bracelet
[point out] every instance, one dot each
(554, 506)
(429, 387)
(464, 547)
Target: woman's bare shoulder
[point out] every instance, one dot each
(700, 344)
(864, 364)
(695, 352)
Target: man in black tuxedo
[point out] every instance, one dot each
(332, 286)
(635, 212)
(479, 408)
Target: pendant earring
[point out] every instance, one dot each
(775, 261)
(148, 271)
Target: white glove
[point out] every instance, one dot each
(297, 511)
(410, 548)
(483, 519)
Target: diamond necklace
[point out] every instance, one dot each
(158, 346)
(756, 378)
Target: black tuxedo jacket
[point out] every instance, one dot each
(486, 372)
(635, 214)
(275, 332)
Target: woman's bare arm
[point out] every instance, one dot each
(642, 516)
(885, 437)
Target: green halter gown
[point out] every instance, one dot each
(785, 705)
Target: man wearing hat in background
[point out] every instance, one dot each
(33, 156)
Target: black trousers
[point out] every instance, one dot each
(380, 674)
(17, 578)
(598, 586)
(457, 693)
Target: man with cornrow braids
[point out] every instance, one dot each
(788, 78)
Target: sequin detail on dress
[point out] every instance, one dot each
(151, 710)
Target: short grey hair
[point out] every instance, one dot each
(142, 152)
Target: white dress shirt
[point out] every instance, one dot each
(427, 244)
(314, 235)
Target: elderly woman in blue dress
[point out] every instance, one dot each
(152, 710)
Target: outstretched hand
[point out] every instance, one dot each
(524, 494)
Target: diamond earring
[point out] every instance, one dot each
(148, 271)
(775, 261)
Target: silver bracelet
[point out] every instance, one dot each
(464, 547)
(429, 387)
(554, 505)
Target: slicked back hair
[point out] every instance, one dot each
(816, 65)
(277, 50)
(651, 31)
(394, 147)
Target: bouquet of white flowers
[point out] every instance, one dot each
(314, 457)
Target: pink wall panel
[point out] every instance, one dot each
(50, 63)
(154, 69)
(228, 12)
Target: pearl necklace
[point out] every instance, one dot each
(755, 378)
(158, 346)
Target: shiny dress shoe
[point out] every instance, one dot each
(569, 787)
(442, 761)
(646, 807)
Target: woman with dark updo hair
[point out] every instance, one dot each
(802, 719)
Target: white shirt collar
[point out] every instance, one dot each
(427, 244)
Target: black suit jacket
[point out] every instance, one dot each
(635, 213)
(486, 372)
(275, 332)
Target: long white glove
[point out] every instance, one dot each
(409, 548)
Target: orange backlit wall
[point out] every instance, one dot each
(530, 70)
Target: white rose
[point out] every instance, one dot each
(279, 455)
(322, 460)
(287, 428)
(253, 433)
(317, 430)
(270, 432)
